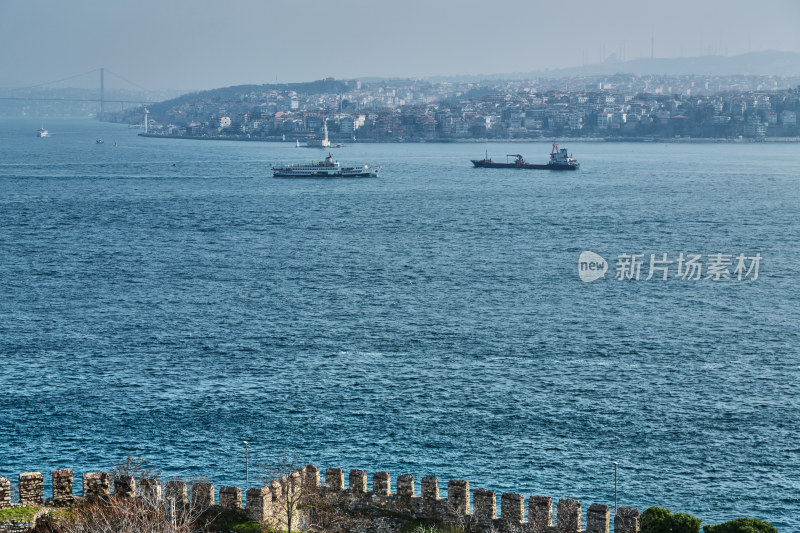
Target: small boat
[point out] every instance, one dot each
(41, 132)
(99, 141)
(297, 145)
(325, 169)
(559, 160)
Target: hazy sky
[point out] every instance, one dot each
(200, 44)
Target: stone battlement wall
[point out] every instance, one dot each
(476, 508)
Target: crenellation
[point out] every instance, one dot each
(230, 497)
(485, 505)
(202, 495)
(405, 486)
(5, 493)
(62, 487)
(540, 513)
(334, 479)
(31, 488)
(95, 485)
(125, 487)
(430, 496)
(458, 497)
(175, 491)
(268, 503)
(358, 481)
(275, 488)
(512, 507)
(259, 501)
(597, 518)
(310, 476)
(151, 490)
(568, 516)
(382, 484)
(626, 520)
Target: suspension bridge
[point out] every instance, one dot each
(102, 100)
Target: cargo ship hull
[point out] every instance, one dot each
(559, 160)
(480, 163)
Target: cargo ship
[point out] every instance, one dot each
(325, 169)
(559, 160)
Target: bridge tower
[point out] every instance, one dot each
(102, 93)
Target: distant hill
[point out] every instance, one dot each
(234, 92)
(766, 63)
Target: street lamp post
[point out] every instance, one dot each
(615, 488)
(247, 467)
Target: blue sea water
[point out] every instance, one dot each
(168, 299)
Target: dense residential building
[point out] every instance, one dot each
(620, 106)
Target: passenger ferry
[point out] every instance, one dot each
(41, 132)
(325, 169)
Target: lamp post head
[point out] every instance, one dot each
(245, 443)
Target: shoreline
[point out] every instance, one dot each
(677, 140)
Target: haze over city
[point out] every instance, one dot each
(204, 44)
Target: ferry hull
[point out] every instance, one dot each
(345, 173)
(324, 175)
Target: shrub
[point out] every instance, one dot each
(660, 520)
(19, 513)
(741, 525)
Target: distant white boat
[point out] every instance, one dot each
(298, 143)
(42, 132)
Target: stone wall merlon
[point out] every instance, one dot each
(202, 495)
(485, 504)
(512, 507)
(626, 520)
(458, 497)
(259, 504)
(358, 481)
(62, 487)
(568, 516)
(31, 488)
(5, 493)
(597, 518)
(125, 487)
(334, 479)
(230, 497)
(405, 485)
(540, 513)
(382, 483)
(151, 490)
(310, 475)
(175, 491)
(95, 485)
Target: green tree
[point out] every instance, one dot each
(660, 520)
(741, 525)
